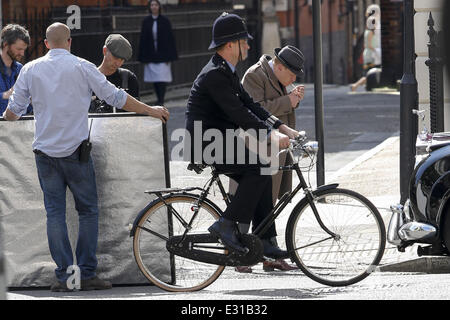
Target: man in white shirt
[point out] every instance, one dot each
(60, 85)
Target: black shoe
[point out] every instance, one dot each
(226, 230)
(95, 284)
(272, 250)
(60, 287)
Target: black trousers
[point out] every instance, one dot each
(160, 90)
(252, 201)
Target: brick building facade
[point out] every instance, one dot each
(343, 25)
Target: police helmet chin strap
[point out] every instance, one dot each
(240, 52)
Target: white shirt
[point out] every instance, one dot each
(60, 86)
(155, 32)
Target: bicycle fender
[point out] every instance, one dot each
(152, 203)
(327, 187)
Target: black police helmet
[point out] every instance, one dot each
(228, 27)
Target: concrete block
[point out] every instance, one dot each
(427, 5)
(447, 116)
(421, 37)
(422, 76)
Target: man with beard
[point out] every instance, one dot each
(14, 41)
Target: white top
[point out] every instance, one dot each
(155, 32)
(157, 72)
(60, 86)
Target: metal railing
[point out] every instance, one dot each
(436, 77)
(191, 23)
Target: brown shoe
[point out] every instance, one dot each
(279, 264)
(95, 284)
(60, 287)
(243, 269)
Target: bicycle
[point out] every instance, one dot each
(335, 236)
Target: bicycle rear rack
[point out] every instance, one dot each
(172, 190)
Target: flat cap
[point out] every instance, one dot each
(119, 46)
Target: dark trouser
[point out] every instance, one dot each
(55, 175)
(160, 90)
(252, 201)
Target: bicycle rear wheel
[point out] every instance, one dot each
(168, 271)
(347, 258)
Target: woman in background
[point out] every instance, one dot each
(372, 43)
(157, 49)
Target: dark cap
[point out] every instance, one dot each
(119, 46)
(228, 27)
(292, 58)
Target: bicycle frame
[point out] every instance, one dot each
(268, 221)
(288, 196)
(282, 203)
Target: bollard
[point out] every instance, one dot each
(408, 102)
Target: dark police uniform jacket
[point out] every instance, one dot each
(219, 101)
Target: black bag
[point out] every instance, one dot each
(100, 106)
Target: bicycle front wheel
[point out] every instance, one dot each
(168, 271)
(356, 249)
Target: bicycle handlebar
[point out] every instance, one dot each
(308, 148)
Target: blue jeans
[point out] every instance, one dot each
(55, 175)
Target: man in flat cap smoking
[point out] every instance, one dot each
(267, 82)
(116, 51)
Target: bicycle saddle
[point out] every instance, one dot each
(197, 167)
(196, 247)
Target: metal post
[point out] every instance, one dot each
(168, 185)
(166, 154)
(318, 80)
(2, 272)
(408, 102)
(296, 31)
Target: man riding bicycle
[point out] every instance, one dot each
(218, 102)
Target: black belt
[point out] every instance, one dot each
(39, 152)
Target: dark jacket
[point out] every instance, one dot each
(219, 101)
(166, 49)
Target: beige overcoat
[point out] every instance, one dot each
(263, 86)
